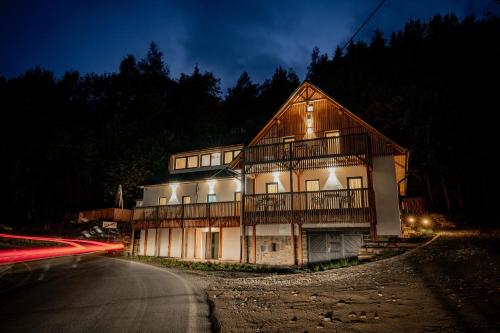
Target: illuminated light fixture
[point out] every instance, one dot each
(332, 182)
(173, 197)
(411, 219)
(310, 108)
(426, 222)
(211, 186)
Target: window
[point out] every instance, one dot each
(271, 188)
(211, 198)
(180, 163)
(228, 157)
(186, 199)
(312, 185)
(354, 182)
(205, 160)
(192, 161)
(237, 196)
(215, 160)
(288, 139)
(163, 201)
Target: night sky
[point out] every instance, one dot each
(226, 37)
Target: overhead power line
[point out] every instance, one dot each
(364, 23)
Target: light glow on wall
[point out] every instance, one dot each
(211, 186)
(332, 182)
(173, 197)
(238, 185)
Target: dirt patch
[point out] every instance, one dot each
(450, 285)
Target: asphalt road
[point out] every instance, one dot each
(98, 294)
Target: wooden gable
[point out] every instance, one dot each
(327, 115)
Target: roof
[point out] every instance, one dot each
(164, 177)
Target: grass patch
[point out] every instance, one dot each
(210, 266)
(332, 264)
(234, 267)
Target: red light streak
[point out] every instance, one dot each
(72, 247)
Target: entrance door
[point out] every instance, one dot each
(212, 245)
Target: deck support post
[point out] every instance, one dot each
(292, 215)
(157, 244)
(182, 232)
(169, 242)
(254, 243)
(132, 237)
(300, 254)
(243, 246)
(146, 240)
(220, 242)
(371, 192)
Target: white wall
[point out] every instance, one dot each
(223, 188)
(141, 242)
(151, 242)
(231, 243)
(163, 242)
(175, 249)
(386, 196)
(329, 179)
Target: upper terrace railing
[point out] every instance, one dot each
(107, 214)
(335, 206)
(196, 214)
(344, 150)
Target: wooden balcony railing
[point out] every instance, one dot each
(107, 214)
(186, 212)
(345, 150)
(336, 206)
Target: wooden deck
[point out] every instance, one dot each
(335, 206)
(345, 150)
(107, 214)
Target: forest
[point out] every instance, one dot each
(67, 142)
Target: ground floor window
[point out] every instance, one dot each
(211, 198)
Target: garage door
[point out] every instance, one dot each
(326, 246)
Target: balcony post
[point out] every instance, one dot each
(182, 231)
(291, 218)
(210, 248)
(243, 254)
(371, 192)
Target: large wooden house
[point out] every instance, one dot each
(313, 185)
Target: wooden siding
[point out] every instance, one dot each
(326, 117)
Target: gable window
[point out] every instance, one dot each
(180, 163)
(163, 201)
(211, 198)
(192, 161)
(205, 160)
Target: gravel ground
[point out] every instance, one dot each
(449, 285)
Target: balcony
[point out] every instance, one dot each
(336, 206)
(344, 150)
(106, 214)
(215, 214)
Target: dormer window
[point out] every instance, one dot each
(180, 163)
